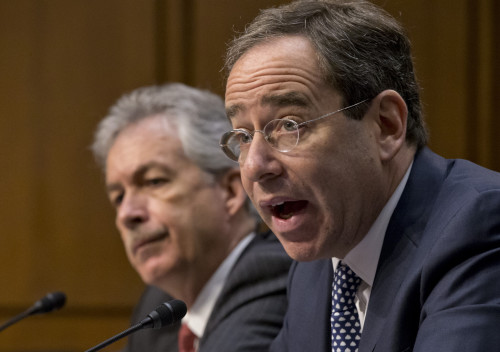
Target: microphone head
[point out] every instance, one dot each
(178, 309)
(52, 301)
(165, 314)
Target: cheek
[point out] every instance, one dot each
(184, 224)
(126, 241)
(207, 214)
(247, 186)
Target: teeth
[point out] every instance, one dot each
(278, 210)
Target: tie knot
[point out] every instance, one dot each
(186, 339)
(345, 285)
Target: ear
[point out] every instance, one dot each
(235, 195)
(391, 119)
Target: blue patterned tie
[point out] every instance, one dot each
(346, 329)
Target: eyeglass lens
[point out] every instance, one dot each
(281, 134)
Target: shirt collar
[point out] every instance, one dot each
(197, 317)
(363, 259)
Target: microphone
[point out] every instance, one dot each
(50, 302)
(165, 314)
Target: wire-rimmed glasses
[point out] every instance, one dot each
(282, 134)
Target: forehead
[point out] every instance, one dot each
(154, 128)
(285, 67)
(150, 140)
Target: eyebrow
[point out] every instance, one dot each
(233, 110)
(287, 99)
(277, 100)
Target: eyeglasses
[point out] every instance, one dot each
(282, 134)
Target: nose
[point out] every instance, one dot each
(132, 211)
(259, 163)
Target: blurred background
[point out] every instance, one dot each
(64, 62)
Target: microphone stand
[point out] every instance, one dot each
(116, 337)
(50, 302)
(15, 319)
(165, 314)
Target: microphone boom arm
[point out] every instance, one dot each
(165, 314)
(116, 337)
(52, 301)
(14, 320)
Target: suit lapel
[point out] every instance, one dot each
(310, 307)
(320, 300)
(401, 241)
(259, 273)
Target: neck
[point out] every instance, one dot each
(398, 167)
(188, 284)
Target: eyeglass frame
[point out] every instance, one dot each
(225, 137)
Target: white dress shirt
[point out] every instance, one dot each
(363, 259)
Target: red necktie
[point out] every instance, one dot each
(186, 339)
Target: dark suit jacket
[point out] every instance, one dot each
(437, 285)
(248, 313)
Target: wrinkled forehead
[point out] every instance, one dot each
(289, 50)
(153, 135)
(278, 73)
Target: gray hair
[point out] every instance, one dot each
(198, 115)
(362, 50)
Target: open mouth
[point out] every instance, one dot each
(286, 210)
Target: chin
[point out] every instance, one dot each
(302, 252)
(153, 271)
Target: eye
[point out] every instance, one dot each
(283, 126)
(155, 181)
(116, 199)
(243, 137)
(289, 125)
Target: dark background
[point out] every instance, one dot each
(63, 63)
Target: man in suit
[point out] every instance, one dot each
(186, 223)
(397, 248)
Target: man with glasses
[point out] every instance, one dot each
(397, 248)
(187, 225)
